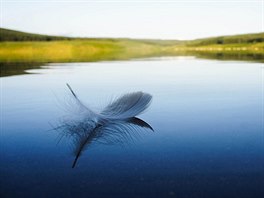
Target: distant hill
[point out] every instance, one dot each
(12, 35)
(235, 39)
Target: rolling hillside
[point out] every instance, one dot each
(235, 39)
(12, 35)
(17, 47)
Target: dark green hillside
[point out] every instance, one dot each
(236, 39)
(12, 35)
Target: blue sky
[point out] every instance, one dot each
(134, 19)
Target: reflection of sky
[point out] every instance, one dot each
(206, 116)
(168, 20)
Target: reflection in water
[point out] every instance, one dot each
(115, 124)
(18, 68)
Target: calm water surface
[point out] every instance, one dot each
(207, 117)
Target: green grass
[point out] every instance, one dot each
(76, 51)
(17, 47)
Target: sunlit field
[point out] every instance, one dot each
(23, 47)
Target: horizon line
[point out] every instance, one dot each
(132, 38)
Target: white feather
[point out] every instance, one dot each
(127, 106)
(113, 125)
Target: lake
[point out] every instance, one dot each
(207, 117)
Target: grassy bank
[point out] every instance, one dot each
(96, 50)
(22, 48)
(76, 51)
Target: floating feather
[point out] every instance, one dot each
(115, 124)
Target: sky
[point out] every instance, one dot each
(176, 19)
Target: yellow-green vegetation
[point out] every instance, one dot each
(243, 51)
(20, 47)
(103, 49)
(76, 50)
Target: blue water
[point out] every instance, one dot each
(208, 139)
